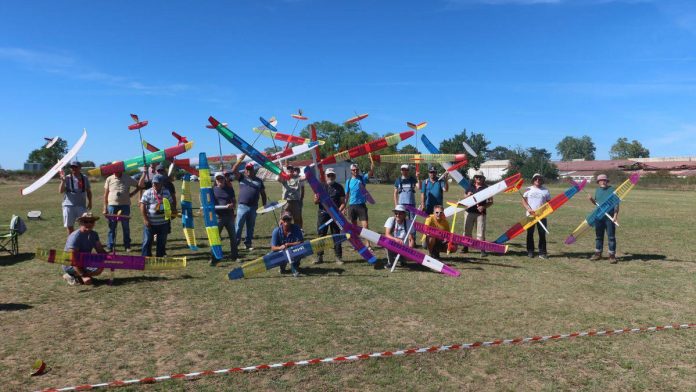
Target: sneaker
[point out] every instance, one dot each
(543, 256)
(612, 258)
(596, 256)
(339, 261)
(530, 255)
(213, 261)
(128, 250)
(249, 248)
(296, 274)
(70, 279)
(465, 250)
(483, 253)
(108, 249)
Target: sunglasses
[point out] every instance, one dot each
(438, 212)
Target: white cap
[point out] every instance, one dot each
(218, 174)
(330, 171)
(354, 166)
(404, 166)
(399, 208)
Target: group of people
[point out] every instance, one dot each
(235, 213)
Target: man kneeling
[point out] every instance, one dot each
(82, 241)
(439, 221)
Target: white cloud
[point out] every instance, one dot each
(70, 67)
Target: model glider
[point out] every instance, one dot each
(110, 260)
(364, 192)
(420, 158)
(137, 124)
(51, 141)
(516, 187)
(483, 195)
(367, 148)
(469, 150)
(416, 211)
(601, 210)
(182, 140)
(284, 136)
(292, 151)
(167, 154)
(57, 167)
(456, 175)
(299, 116)
(370, 235)
(271, 206)
(540, 213)
(275, 259)
(417, 127)
(357, 118)
(187, 213)
(459, 239)
(117, 217)
(316, 156)
(247, 148)
(208, 207)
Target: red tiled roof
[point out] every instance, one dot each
(617, 164)
(673, 165)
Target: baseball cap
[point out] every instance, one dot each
(249, 165)
(159, 167)
(602, 177)
(404, 166)
(75, 163)
(330, 171)
(537, 175)
(353, 166)
(158, 179)
(432, 169)
(219, 174)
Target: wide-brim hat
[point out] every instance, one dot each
(87, 217)
(399, 208)
(537, 175)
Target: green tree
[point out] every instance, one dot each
(576, 148)
(622, 149)
(48, 157)
(530, 161)
(476, 141)
(499, 152)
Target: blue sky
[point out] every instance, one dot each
(523, 72)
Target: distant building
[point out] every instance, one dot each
(33, 166)
(494, 170)
(579, 169)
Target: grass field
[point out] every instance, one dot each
(152, 324)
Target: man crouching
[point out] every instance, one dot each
(82, 240)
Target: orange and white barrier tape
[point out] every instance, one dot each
(382, 354)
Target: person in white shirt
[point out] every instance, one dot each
(534, 197)
(395, 228)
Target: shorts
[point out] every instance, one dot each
(357, 212)
(71, 213)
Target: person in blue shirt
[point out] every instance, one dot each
(223, 196)
(284, 236)
(83, 240)
(251, 188)
(605, 224)
(355, 199)
(405, 189)
(432, 190)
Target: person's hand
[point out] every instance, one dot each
(229, 206)
(147, 223)
(399, 241)
(89, 205)
(104, 211)
(61, 174)
(316, 198)
(531, 212)
(481, 209)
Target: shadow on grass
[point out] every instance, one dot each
(14, 307)
(6, 261)
(321, 271)
(139, 279)
(485, 262)
(623, 258)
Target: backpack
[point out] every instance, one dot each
(410, 180)
(71, 188)
(20, 226)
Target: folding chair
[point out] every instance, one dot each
(9, 241)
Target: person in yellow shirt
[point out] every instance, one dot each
(437, 220)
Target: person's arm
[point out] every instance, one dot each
(106, 195)
(89, 198)
(143, 212)
(342, 204)
(301, 191)
(445, 180)
(61, 186)
(173, 205)
(616, 214)
(396, 193)
(235, 172)
(99, 247)
(263, 196)
(371, 172)
(525, 204)
(135, 184)
(274, 240)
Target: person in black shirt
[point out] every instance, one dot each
(223, 195)
(477, 214)
(338, 195)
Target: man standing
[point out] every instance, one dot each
(337, 195)
(77, 195)
(293, 193)
(154, 223)
(223, 196)
(405, 188)
(83, 240)
(437, 220)
(476, 215)
(356, 208)
(534, 197)
(250, 188)
(117, 200)
(432, 190)
(284, 236)
(603, 193)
